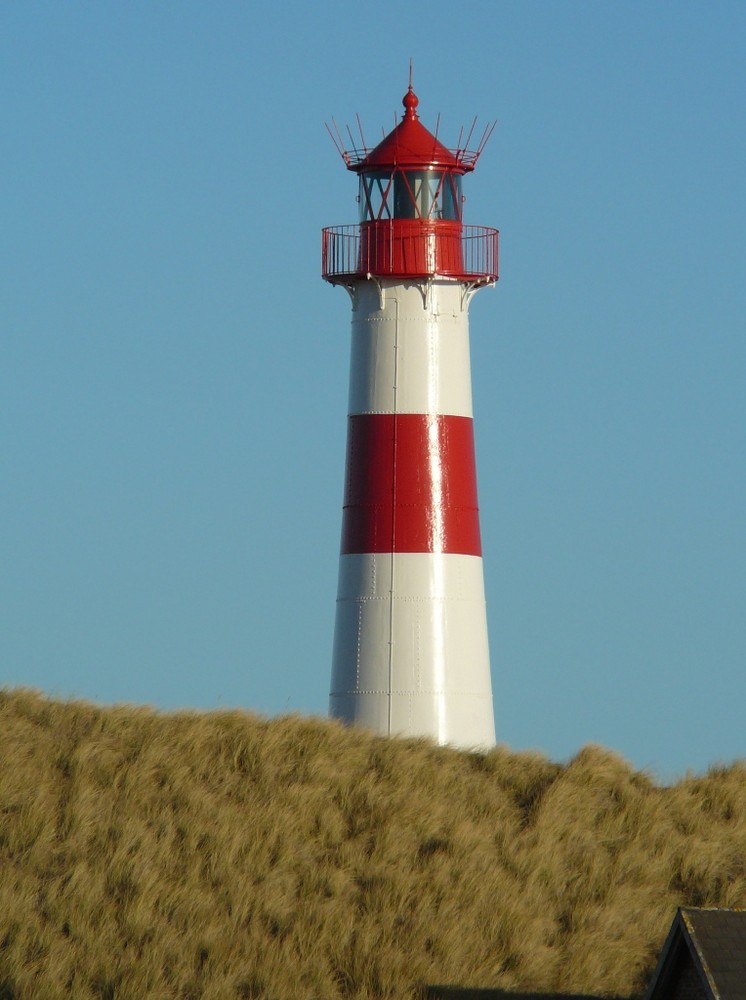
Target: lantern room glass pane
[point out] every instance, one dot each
(452, 199)
(375, 199)
(427, 194)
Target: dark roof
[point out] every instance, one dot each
(714, 942)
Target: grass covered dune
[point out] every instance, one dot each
(145, 856)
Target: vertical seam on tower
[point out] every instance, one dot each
(416, 678)
(359, 633)
(393, 511)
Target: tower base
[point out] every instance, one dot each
(410, 647)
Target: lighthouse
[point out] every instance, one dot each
(411, 654)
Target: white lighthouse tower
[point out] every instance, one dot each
(411, 655)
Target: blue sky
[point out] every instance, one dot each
(173, 371)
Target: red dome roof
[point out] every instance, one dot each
(410, 145)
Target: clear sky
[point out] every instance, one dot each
(173, 370)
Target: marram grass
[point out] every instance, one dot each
(146, 856)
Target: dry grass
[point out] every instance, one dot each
(147, 856)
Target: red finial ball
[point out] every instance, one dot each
(410, 102)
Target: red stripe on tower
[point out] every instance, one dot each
(411, 485)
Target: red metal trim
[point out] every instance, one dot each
(411, 485)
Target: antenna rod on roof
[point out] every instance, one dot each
(437, 125)
(410, 72)
(360, 130)
(489, 128)
(468, 138)
(337, 140)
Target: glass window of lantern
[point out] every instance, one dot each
(427, 194)
(412, 195)
(373, 197)
(452, 197)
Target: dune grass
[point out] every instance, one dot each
(146, 856)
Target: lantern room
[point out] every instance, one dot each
(410, 194)
(410, 210)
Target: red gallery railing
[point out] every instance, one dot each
(412, 249)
